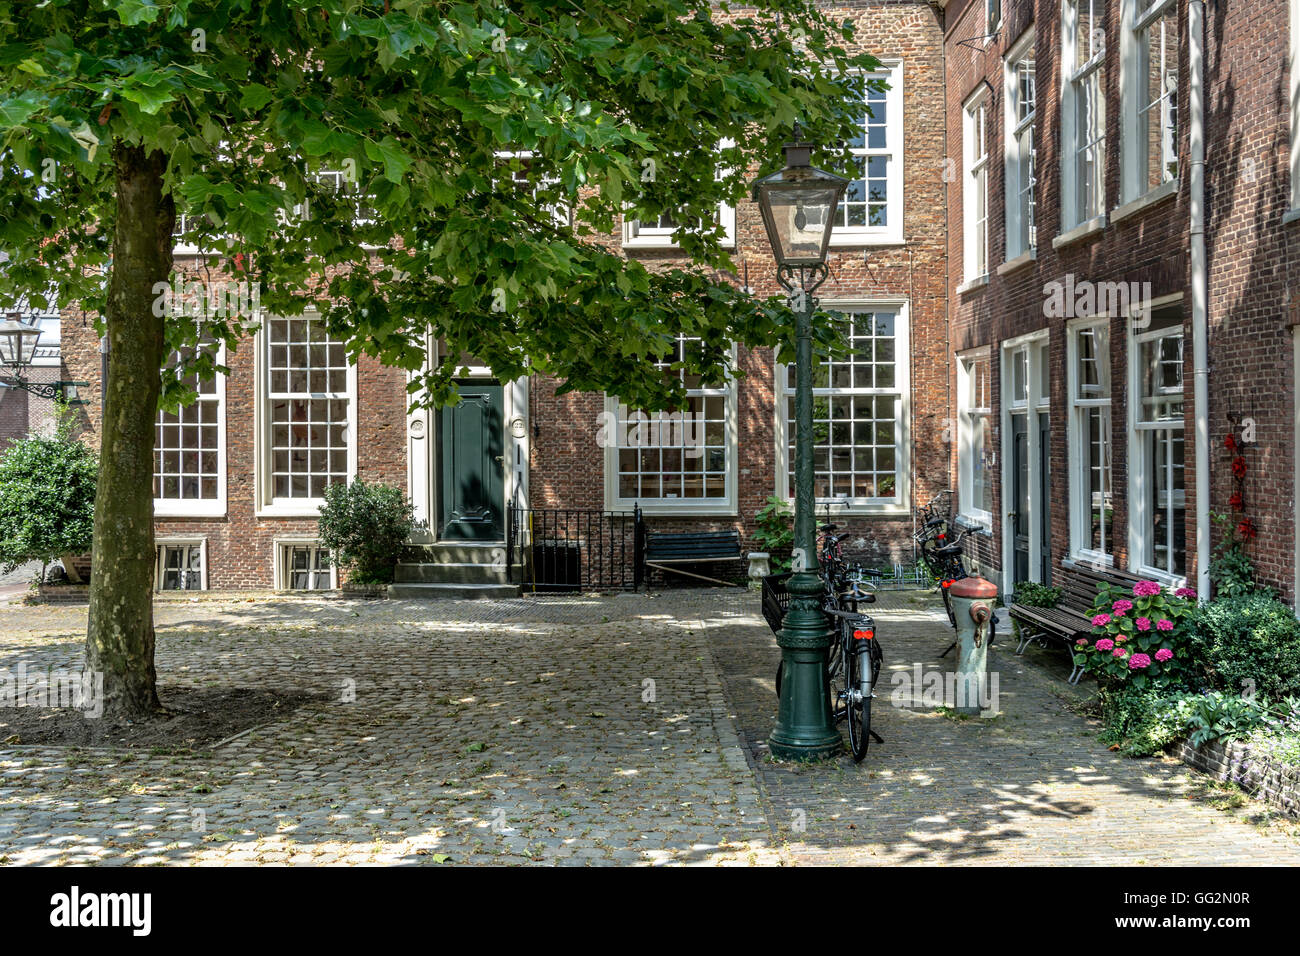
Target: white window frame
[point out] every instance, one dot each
(1079, 478)
(724, 506)
(971, 515)
(1020, 198)
(975, 185)
(213, 507)
(160, 546)
(1073, 76)
(265, 504)
(638, 236)
(900, 503)
(992, 19)
(1136, 16)
(1027, 349)
(892, 232)
(1137, 492)
(281, 545)
(561, 215)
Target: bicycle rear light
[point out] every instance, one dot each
(864, 635)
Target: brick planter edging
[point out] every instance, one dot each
(1233, 762)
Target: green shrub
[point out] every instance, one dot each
(1220, 716)
(365, 527)
(1142, 637)
(1231, 571)
(774, 532)
(1032, 594)
(1251, 643)
(47, 498)
(1142, 722)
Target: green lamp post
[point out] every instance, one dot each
(798, 205)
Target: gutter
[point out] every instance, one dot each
(1200, 291)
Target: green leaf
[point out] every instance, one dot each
(255, 96)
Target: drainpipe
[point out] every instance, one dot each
(1200, 292)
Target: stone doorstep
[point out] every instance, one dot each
(1277, 785)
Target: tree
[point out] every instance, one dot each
(47, 499)
(464, 126)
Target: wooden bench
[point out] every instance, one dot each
(1071, 618)
(663, 551)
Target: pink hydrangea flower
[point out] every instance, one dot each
(1118, 652)
(1105, 644)
(1081, 642)
(1146, 589)
(1139, 661)
(1101, 620)
(1164, 625)
(1121, 638)
(1164, 654)
(1143, 623)
(1189, 593)
(1122, 607)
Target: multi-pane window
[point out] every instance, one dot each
(309, 406)
(1091, 492)
(872, 206)
(976, 197)
(526, 177)
(188, 455)
(681, 456)
(180, 567)
(658, 232)
(306, 567)
(1157, 451)
(1084, 110)
(975, 438)
(1020, 150)
(857, 414)
(1154, 146)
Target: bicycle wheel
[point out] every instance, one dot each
(858, 702)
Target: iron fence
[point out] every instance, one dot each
(567, 549)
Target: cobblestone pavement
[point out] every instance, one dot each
(1029, 786)
(622, 729)
(571, 730)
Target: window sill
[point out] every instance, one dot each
(982, 525)
(859, 240)
(1163, 578)
(1290, 216)
(1151, 198)
(1019, 262)
(665, 243)
(308, 508)
(1081, 231)
(1083, 560)
(970, 285)
(168, 509)
(721, 509)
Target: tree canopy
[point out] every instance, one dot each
(465, 127)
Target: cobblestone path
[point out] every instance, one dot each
(580, 730)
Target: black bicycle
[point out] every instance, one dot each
(854, 657)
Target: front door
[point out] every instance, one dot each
(471, 457)
(1020, 495)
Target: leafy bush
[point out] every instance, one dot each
(1142, 722)
(365, 527)
(47, 498)
(1231, 571)
(1142, 638)
(1250, 642)
(774, 532)
(1032, 594)
(1220, 716)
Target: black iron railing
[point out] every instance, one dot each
(567, 549)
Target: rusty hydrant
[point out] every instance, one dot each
(972, 605)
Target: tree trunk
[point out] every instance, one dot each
(120, 636)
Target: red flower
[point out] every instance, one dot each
(1246, 528)
(1236, 502)
(1230, 442)
(1239, 467)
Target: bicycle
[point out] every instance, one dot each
(854, 657)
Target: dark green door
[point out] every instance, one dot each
(471, 495)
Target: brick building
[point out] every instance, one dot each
(240, 472)
(1079, 286)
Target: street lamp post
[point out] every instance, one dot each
(798, 205)
(17, 349)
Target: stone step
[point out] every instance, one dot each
(447, 573)
(457, 592)
(460, 552)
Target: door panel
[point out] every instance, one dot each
(1045, 496)
(471, 489)
(1020, 495)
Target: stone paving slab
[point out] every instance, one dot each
(1030, 786)
(565, 730)
(583, 730)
